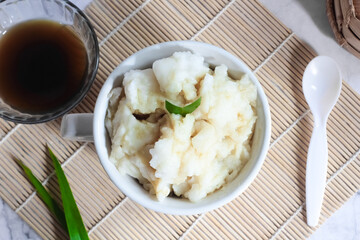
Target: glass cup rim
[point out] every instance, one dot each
(85, 89)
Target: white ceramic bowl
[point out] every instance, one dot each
(129, 186)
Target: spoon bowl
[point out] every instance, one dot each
(322, 87)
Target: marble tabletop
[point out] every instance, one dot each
(307, 19)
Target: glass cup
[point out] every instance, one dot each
(13, 12)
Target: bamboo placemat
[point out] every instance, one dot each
(271, 208)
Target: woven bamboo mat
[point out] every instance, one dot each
(271, 208)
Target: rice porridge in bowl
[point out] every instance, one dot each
(191, 155)
(164, 152)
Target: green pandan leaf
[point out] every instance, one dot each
(44, 195)
(74, 221)
(182, 110)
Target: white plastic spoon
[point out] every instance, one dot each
(321, 85)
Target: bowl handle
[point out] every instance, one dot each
(78, 127)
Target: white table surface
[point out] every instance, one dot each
(307, 19)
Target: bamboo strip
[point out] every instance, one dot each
(5, 127)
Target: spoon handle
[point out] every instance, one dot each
(316, 169)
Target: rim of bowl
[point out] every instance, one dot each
(86, 89)
(107, 165)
